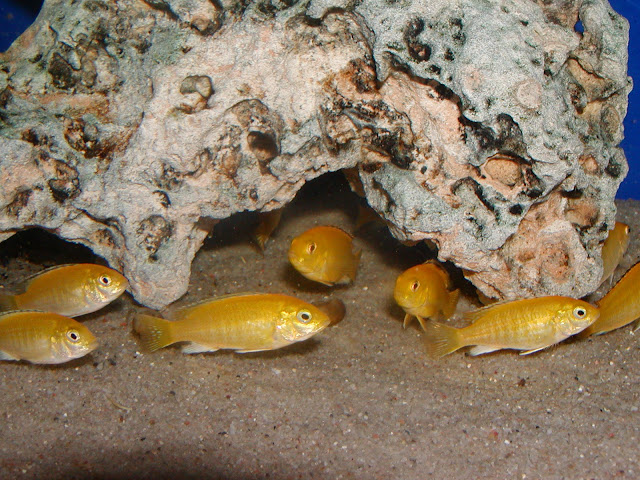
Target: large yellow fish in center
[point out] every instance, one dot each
(529, 325)
(248, 322)
(326, 255)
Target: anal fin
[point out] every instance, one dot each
(191, 348)
(252, 351)
(527, 352)
(345, 280)
(6, 356)
(480, 349)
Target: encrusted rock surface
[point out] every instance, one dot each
(490, 128)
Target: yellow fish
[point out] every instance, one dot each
(614, 248)
(247, 322)
(325, 254)
(423, 292)
(269, 221)
(620, 306)
(530, 325)
(39, 337)
(69, 290)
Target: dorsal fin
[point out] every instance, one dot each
(335, 228)
(473, 315)
(183, 309)
(440, 270)
(32, 310)
(27, 281)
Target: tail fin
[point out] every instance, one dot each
(261, 241)
(154, 332)
(334, 308)
(8, 303)
(450, 308)
(441, 340)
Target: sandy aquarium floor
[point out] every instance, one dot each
(361, 400)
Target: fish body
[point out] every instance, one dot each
(529, 325)
(269, 221)
(249, 322)
(68, 290)
(620, 306)
(423, 292)
(40, 337)
(614, 248)
(326, 255)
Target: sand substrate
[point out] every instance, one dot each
(360, 400)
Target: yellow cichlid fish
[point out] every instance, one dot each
(614, 248)
(69, 290)
(247, 322)
(620, 306)
(40, 337)
(423, 292)
(530, 325)
(326, 255)
(269, 221)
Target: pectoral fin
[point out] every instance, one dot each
(422, 321)
(191, 348)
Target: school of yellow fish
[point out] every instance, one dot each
(37, 325)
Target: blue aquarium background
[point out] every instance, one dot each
(17, 15)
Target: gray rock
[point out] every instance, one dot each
(490, 128)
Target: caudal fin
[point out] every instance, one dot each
(441, 340)
(450, 307)
(334, 308)
(261, 241)
(8, 303)
(154, 332)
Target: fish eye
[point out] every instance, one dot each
(415, 285)
(73, 336)
(304, 316)
(579, 312)
(105, 280)
(311, 247)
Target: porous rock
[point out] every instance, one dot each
(490, 128)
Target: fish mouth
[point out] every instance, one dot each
(406, 305)
(299, 266)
